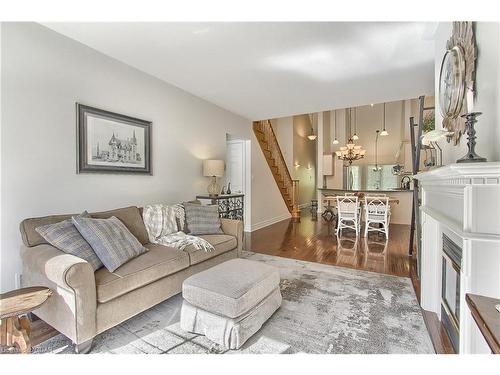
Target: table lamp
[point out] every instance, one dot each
(214, 169)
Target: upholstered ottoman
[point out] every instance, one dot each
(228, 303)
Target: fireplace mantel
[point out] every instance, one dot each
(463, 202)
(463, 174)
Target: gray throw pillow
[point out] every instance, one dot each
(180, 215)
(111, 240)
(202, 219)
(65, 237)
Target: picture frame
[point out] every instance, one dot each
(109, 142)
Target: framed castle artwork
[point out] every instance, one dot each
(112, 143)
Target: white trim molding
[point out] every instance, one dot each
(463, 201)
(266, 223)
(462, 174)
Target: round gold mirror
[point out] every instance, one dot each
(452, 83)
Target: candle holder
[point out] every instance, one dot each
(471, 157)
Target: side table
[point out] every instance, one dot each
(14, 324)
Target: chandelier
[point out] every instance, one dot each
(350, 152)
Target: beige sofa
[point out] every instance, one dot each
(84, 303)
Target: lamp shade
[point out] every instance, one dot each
(213, 168)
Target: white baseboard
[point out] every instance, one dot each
(265, 223)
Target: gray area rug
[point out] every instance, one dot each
(326, 309)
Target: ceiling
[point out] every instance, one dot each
(267, 70)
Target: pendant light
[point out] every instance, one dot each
(376, 168)
(355, 136)
(335, 140)
(384, 132)
(311, 135)
(351, 151)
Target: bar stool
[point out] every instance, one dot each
(314, 204)
(328, 214)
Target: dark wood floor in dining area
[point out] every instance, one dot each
(313, 239)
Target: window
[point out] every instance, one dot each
(381, 178)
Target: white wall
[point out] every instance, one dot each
(369, 120)
(43, 75)
(338, 126)
(304, 158)
(487, 89)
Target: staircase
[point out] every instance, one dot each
(288, 187)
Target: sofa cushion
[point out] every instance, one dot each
(221, 243)
(159, 261)
(231, 288)
(202, 219)
(66, 237)
(130, 216)
(110, 239)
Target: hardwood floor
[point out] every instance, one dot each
(314, 240)
(439, 337)
(40, 331)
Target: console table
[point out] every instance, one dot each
(230, 205)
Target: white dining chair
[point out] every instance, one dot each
(377, 212)
(348, 213)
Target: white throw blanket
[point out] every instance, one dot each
(162, 223)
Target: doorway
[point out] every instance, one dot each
(238, 172)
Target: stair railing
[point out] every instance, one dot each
(278, 165)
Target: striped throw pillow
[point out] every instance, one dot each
(202, 219)
(110, 239)
(65, 237)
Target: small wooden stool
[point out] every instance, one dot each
(14, 324)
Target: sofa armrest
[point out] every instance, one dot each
(72, 307)
(234, 228)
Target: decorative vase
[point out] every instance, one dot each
(228, 188)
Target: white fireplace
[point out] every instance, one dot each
(460, 205)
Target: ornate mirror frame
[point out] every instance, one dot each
(462, 37)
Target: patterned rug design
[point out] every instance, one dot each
(326, 309)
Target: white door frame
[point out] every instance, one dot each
(247, 183)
